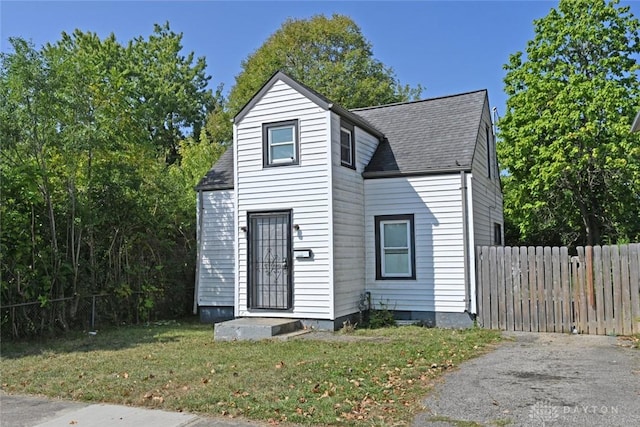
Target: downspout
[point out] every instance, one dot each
(465, 242)
(199, 213)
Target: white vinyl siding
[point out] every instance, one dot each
(436, 203)
(486, 192)
(303, 188)
(348, 220)
(216, 267)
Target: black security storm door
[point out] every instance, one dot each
(270, 260)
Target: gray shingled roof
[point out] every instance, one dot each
(432, 135)
(220, 176)
(428, 136)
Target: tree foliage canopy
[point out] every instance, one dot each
(573, 167)
(90, 129)
(330, 55)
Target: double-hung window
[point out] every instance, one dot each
(497, 234)
(280, 143)
(347, 146)
(395, 247)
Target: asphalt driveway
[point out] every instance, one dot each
(542, 380)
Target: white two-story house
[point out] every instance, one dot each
(315, 210)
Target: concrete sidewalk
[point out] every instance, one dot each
(28, 411)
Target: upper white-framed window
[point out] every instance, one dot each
(347, 145)
(280, 143)
(395, 247)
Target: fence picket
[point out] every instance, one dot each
(575, 305)
(508, 288)
(480, 284)
(617, 294)
(556, 315)
(540, 299)
(502, 299)
(589, 284)
(609, 323)
(493, 277)
(584, 291)
(598, 291)
(486, 302)
(524, 289)
(517, 293)
(547, 266)
(625, 289)
(565, 289)
(533, 289)
(634, 283)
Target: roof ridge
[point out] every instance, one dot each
(394, 104)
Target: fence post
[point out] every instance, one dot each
(93, 313)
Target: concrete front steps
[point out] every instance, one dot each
(257, 328)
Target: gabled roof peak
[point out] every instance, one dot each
(311, 94)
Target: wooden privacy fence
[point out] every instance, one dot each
(543, 289)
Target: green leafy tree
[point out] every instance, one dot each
(572, 166)
(92, 133)
(170, 89)
(329, 55)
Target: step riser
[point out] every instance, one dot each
(254, 329)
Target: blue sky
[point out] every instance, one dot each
(447, 47)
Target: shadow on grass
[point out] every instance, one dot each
(110, 338)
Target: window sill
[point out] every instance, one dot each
(348, 166)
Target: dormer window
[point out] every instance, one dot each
(280, 143)
(347, 146)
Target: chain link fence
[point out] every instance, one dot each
(89, 313)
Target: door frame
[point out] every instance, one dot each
(251, 280)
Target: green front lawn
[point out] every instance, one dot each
(374, 377)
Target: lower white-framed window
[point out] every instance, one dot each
(395, 247)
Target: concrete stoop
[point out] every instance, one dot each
(256, 328)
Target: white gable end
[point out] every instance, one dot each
(303, 189)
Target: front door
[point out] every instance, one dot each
(270, 260)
